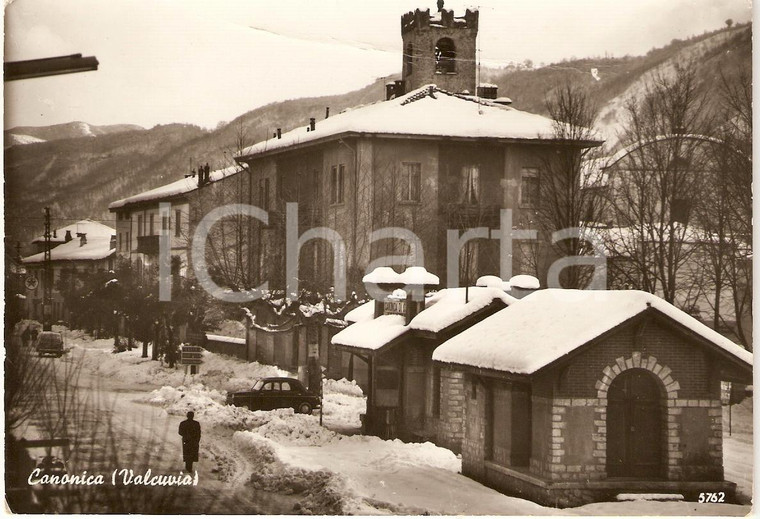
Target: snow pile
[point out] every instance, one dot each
(525, 281)
(288, 428)
(418, 276)
(219, 371)
(489, 281)
(342, 386)
(382, 275)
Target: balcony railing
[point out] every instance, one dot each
(461, 216)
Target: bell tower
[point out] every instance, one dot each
(439, 49)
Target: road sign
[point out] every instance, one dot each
(31, 282)
(191, 355)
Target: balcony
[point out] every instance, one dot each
(147, 244)
(463, 216)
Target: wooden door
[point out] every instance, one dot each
(634, 426)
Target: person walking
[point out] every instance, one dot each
(190, 430)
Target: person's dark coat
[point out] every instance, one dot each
(190, 430)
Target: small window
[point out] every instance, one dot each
(165, 223)
(120, 234)
(286, 386)
(177, 215)
(264, 193)
(445, 57)
(337, 179)
(529, 187)
(268, 386)
(680, 209)
(410, 181)
(409, 58)
(139, 225)
(152, 228)
(470, 184)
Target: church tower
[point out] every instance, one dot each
(439, 49)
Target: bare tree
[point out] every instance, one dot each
(653, 188)
(568, 190)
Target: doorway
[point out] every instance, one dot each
(634, 426)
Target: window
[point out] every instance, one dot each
(139, 225)
(409, 58)
(264, 193)
(165, 223)
(445, 57)
(410, 181)
(151, 228)
(286, 386)
(177, 215)
(337, 178)
(529, 187)
(680, 209)
(470, 184)
(120, 242)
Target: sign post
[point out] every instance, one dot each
(191, 356)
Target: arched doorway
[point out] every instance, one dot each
(445, 56)
(634, 426)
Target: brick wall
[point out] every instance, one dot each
(450, 423)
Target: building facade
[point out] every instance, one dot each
(575, 396)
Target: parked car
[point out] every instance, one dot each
(275, 393)
(49, 343)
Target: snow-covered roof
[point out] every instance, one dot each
(178, 187)
(549, 324)
(448, 306)
(620, 154)
(372, 334)
(89, 227)
(365, 312)
(98, 245)
(425, 112)
(442, 309)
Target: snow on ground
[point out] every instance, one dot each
(333, 473)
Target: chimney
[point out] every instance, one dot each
(279, 133)
(68, 237)
(82, 238)
(327, 112)
(390, 90)
(398, 87)
(312, 123)
(207, 173)
(487, 91)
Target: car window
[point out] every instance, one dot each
(267, 387)
(286, 386)
(257, 385)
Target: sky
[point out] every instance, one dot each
(209, 61)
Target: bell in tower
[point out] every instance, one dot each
(439, 49)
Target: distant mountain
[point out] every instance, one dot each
(20, 134)
(81, 168)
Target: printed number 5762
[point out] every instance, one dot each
(712, 497)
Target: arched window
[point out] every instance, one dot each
(409, 58)
(445, 56)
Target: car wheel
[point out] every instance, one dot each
(304, 408)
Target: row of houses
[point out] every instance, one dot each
(560, 396)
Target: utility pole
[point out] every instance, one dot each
(47, 300)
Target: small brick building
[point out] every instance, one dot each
(576, 396)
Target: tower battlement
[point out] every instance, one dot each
(445, 18)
